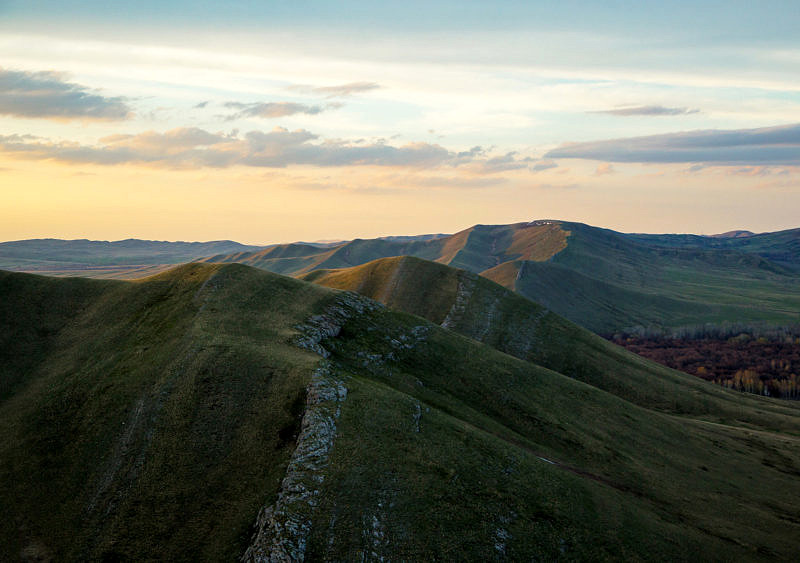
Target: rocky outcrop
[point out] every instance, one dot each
(282, 529)
(329, 324)
(466, 284)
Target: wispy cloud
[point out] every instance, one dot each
(47, 95)
(647, 110)
(339, 90)
(275, 109)
(195, 148)
(750, 171)
(457, 182)
(604, 169)
(190, 147)
(763, 146)
(545, 165)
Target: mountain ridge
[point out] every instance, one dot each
(622, 281)
(161, 417)
(607, 281)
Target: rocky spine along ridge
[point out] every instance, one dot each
(282, 528)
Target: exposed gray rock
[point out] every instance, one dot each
(502, 536)
(329, 324)
(282, 529)
(417, 416)
(374, 533)
(466, 284)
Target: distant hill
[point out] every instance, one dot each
(734, 234)
(403, 238)
(104, 257)
(604, 280)
(218, 412)
(476, 249)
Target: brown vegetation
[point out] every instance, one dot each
(759, 365)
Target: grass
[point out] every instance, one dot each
(516, 326)
(157, 417)
(603, 280)
(152, 419)
(627, 482)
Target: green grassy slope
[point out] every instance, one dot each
(160, 415)
(656, 286)
(142, 420)
(604, 280)
(604, 307)
(782, 247)
(484, 311)
(514, 460)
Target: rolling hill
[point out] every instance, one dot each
(606, 281)
(601, 279)
(219, 412)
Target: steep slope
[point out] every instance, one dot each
(146, 420)
(484, 311)
(162, 419)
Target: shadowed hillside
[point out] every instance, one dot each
(484, 311)
(216, 411)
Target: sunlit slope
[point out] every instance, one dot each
(609, 281)
(484, 311)
(476, 249)
(160, 416)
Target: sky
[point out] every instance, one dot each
(268, 122)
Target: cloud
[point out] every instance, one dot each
(479, 163)
(763, 146)
(337, 91)
(545, 165)
(47, 95)
(457, 182)
(648, 110)
(558, 186)
(275, 109)
(604, 169)
(759, 171)
(195, 148)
